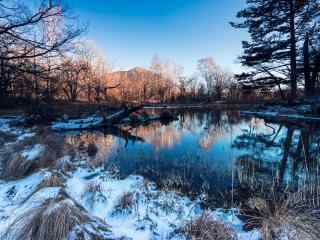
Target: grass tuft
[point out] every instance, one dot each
(206, 228)
(17, 166)
(55, 220)
(126, 201)
(277, 218)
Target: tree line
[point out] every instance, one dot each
(43, 57)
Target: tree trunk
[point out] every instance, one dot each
(286, 151)
(315, 73)
(293, 50)
(306, 62)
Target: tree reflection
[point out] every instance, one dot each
(294, 161)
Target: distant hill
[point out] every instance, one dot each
(139, 84)
(134, 74)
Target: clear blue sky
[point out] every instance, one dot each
(130, 32)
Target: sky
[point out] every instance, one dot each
(130, 32)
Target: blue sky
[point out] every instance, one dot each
(131, 32)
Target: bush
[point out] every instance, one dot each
(206, 228)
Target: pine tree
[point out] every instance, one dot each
(277, 29)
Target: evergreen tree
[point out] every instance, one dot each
(277, 30)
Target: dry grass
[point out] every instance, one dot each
(48, 181)
(17, 166)
(206, 228)
(54, 220)
(277, 217)
(93, 187)
(64, 164)
(126, 201)
(51, 181)
(14, 166)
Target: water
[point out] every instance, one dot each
(217, 155)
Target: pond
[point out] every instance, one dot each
(218, 155)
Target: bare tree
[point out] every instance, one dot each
(28, 38)
(216, 78)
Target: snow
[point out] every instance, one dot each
(279, 116)
(16, 197)
(33, 152)
(77, 123)
(6, 126)
(25, 136)
(153, 214)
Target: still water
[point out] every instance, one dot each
(220, 156)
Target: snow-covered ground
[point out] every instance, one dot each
(150, 214)
(153, 214)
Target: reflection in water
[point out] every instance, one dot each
(159, 136)
(211, 153)
(106, 144)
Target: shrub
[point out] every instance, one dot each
(206, 228)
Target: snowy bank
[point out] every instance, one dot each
(281, 116)
(148, 213)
